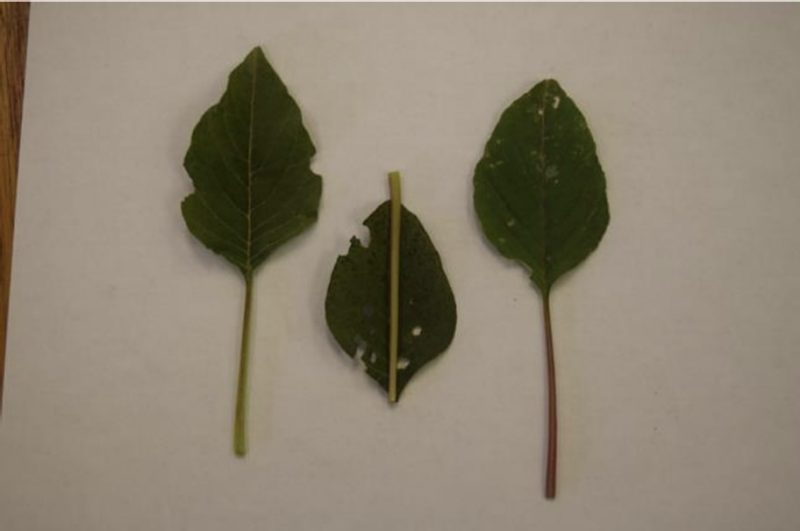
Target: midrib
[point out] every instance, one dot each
(250, 163)
(542, 161)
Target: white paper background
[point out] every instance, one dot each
(676, 342)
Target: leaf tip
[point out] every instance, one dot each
(256, 52)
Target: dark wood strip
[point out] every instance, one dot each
(13, 44)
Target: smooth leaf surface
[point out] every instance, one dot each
(357, 304)
(540, 192)
(250, 163)
(249, 160)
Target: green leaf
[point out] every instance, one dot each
(249, 160)
(357, 304)
(540, 195)
(540, 192)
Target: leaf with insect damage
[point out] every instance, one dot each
(357, 304)
(540, 195)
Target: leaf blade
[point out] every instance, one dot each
(539, 189)
(249, 160)
(357, 302)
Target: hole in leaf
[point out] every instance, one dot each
(556, 102)
(416, 331)
(402, 363)
(365, 237)
(373, 357)
(361, 347)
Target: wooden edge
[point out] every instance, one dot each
(13, 46)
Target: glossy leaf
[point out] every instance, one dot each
(249, 160)
(357, 304)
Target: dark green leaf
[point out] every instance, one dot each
(357, 304)
(249, 161)
(254, 189)
(540, 192)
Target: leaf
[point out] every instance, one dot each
(357, 304)
(539, 188)
(540, 195)
(249, 160)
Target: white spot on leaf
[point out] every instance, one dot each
(361, 347)
(511, 222)
(556, 102)
(416, 331)
(402, 363)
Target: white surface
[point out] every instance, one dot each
(676, 342)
